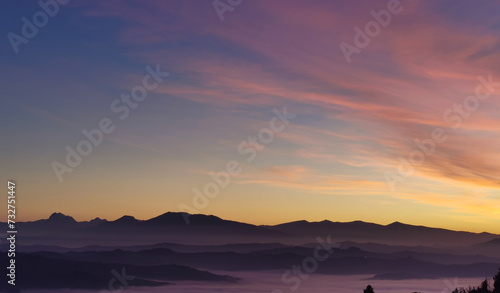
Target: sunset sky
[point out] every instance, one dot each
(354, 123)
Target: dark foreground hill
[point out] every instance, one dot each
(41, 272)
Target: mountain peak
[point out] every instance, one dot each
(61, 218)
(97, 220)
(396, 224)
(126, 219)
(174, 218)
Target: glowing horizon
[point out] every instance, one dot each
(427, 83)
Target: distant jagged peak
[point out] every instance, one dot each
(61, 218)
(97, 220)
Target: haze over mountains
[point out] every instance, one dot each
(165, 250)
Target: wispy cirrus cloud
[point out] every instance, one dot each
(355, 120)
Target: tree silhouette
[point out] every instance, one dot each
(496, 284)
(484, 287)
(369, 289)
